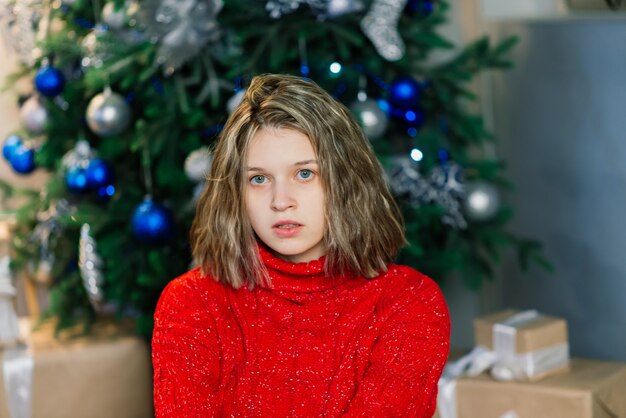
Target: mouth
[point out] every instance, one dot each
(287, 229)
(286, 225)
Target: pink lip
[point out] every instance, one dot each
(286, 232)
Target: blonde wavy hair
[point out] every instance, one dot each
(365, 227)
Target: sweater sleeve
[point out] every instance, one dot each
(185, 354)
(408, 356)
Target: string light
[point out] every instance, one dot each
(416, 155)
(335, 68)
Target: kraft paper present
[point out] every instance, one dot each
(529, 345)
(106, 374)
(543, 332)
(592, 389)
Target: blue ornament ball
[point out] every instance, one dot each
(23, 159)
(49, 81)
(76, 180)
(10, 145)
(152, 223)
(404, 92)
(106, 192)
(99, 174)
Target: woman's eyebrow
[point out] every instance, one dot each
(303, 162)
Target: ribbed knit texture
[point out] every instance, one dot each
(307, 345)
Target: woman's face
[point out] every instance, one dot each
(284, 196)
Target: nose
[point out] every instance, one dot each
(282, 198)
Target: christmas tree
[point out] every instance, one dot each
(128, 98)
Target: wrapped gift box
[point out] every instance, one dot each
(106, 374)
(531, 345)
(591, 389)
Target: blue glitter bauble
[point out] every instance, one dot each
(10, 145)
(23, 159)
(49, 81)
(76, 180)
(404, 92)
(152, 223)
(99, 173)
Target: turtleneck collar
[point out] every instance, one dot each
(297, 277)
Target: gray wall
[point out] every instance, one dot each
(560, 119)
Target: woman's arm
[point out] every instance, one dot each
(185, 354)
(407, 358)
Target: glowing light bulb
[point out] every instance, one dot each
(416, 155)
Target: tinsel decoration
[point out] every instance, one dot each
(443, 187)
(380, 25)
(20, 25)
(90, 265)
(49, 226)
(180, 27)
(9, 330)
(323, 9)
(94, 46)
(80, 156)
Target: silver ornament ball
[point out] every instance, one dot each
(34, 116)
(481, 201)
(371, 117)
(198, 164)
(108, 114)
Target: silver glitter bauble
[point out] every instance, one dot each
(108, 114)
(115, 19)
(371, 117)
(481, 201)
(198, 164)
(34, 116)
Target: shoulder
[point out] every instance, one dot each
(191, 291)
(413, 293)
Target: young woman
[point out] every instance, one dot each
(296, 309)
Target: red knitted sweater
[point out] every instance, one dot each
(307, 345)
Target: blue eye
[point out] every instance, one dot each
(258, 179)
(305, 174)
